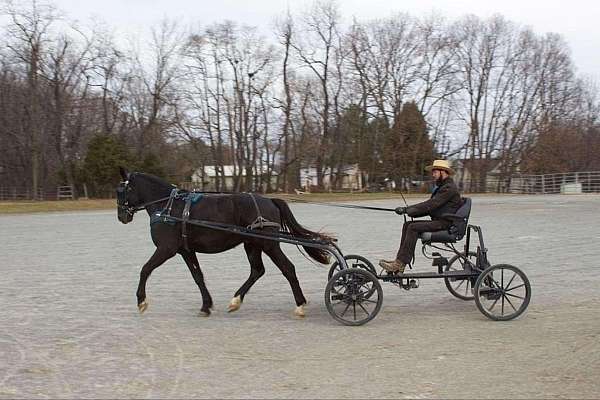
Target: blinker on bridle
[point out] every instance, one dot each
(122, 203)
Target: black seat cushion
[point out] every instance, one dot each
(438, 237)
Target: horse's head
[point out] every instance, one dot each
(138, 191)
(127, 197)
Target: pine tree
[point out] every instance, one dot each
(101, 166)
(408, 148)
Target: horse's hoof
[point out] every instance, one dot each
(299, 311)
(143, 306)
(204, 313)
(234, 304)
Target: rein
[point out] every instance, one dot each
(342, 205)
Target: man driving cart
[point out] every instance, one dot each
(445, 199)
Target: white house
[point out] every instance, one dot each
(205, 178)
(350, 175)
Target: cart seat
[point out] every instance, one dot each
(456, 231)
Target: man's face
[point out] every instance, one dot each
(439, 174)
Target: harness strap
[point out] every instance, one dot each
(169, 206)
(261, 222)
(186, 217)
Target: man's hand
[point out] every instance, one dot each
(400, 210)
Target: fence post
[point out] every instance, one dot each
(543, 184)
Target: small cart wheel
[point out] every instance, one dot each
(461, 288)
(353, 261)
(502, 292)
(353, 296)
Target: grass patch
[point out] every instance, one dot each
(22, 207)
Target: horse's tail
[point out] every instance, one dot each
(289, 223)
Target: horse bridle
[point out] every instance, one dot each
(123, 203)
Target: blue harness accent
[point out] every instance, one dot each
(190, 198)
(164, 216)
(194, 197)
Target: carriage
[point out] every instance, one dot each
(353, 293)
(502, 292)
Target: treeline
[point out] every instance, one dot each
(389, 94)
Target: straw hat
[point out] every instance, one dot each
(444, 165)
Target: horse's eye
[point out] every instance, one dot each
(128, 189)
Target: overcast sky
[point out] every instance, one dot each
(577, 20)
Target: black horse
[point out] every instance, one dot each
(139, 191)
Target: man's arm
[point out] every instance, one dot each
(443, 195)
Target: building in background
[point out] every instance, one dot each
(205, 178)
(350, 178)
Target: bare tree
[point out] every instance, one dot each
(285, 32)
(315, 50)
(29, 32)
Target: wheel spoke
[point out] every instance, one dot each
(509, 302)
(467, 287)
(354, 307)
(493, 304)
(516, 287)
(460, 284)
(369, 301)
(511, 279)
(515, 296)
(367, 286)
(364, 309)
(345, 309)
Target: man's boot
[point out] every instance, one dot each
(392, 266)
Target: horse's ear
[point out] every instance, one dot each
(124, 173)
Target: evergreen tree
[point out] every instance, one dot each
(408, 148)
(101, 166)
(150, 164)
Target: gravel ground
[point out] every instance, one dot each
(69, 326)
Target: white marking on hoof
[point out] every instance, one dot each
(234, 304)
(204, 314)
(143, 306)
(299, 311)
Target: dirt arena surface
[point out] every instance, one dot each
(69, 325)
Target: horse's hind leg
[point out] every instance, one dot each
(192, 262)
(257, 269)
(157, 259)
(289, 271)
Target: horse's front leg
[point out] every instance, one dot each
(192, 262)
(158, 258)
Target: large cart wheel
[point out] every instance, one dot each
(461, 287)
(353, 296)
(502, 292)
(353, 261)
